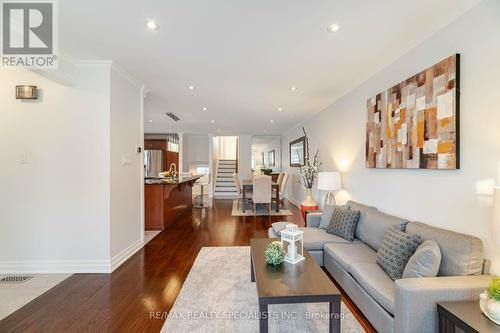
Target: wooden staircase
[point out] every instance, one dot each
(224, 183)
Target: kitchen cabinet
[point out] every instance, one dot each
(169, 158)
(155, 144)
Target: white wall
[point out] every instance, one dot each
(55, 209)
(449, 199)
(228, 147)
(195, 149)
(125, 165)
(245, 156)
(274, 144)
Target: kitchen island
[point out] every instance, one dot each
(165, 199)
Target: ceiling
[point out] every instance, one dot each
(243, 56)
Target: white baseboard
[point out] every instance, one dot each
(70, 266)
(54, 266)
(122, 256)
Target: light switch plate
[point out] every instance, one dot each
(126, 160)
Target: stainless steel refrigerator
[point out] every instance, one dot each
(153, 163)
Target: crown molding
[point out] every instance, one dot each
(126, 75)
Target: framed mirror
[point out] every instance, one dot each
(297, 149)
(271, 157)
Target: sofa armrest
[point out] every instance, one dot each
(313, 219)
(416, 299)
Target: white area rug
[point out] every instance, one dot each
(262, 210)
(218, 296)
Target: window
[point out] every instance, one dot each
(202, 170)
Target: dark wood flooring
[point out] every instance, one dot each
(148, 282)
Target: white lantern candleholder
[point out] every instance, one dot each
(292, 240)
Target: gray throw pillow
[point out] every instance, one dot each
(395, 251)
(343, 223)
(424, 262)
(278, 227)
(327, 213)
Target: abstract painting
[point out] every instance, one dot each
(415, 124)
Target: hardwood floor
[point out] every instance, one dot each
(149, 282)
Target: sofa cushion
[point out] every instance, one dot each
(396, 249)
(278, 227)
(346, 253)
(271, 233)
(327, 214)
(376, 283)
(353, 205)
(343, 224)
(424, 262)
(375, 226)
(315, 238)
(461, 254)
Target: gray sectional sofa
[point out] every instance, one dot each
(404, 305)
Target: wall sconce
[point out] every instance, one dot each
(26, 92)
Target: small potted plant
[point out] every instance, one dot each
(489, 301)
(266, 171)
(274, 253)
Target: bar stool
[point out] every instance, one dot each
(202, 182)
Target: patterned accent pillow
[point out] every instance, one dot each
(327, 214)
(343, 223)
(395, 251)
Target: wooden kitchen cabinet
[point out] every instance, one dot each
(170, 157)
(155, 144)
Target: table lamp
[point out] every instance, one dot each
(329, 181)
(496, 215)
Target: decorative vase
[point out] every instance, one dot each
(490, 307)
(308, 204)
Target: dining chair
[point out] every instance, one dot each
(282, 187)
(239, 189)
(280, 178)
(262, 193)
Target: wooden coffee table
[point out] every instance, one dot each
(465, 315)
(304, 282)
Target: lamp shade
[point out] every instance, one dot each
(496, 216)
(329, 181)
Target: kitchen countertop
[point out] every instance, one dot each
(170, 181)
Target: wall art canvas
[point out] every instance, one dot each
(415, 124)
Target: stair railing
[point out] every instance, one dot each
(237, 153)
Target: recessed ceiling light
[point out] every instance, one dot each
(204, 108)
(293, 88)
(150, 120)
(280, 108)
(152, 25)
(271, 121)
(212, 121)
(333, 27)
(191, 87)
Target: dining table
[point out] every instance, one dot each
(247, 185)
